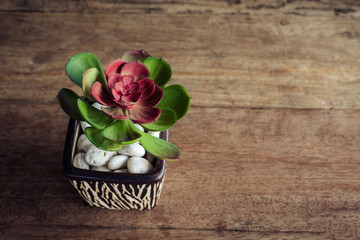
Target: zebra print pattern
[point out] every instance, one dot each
(119, 196)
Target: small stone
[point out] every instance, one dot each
(133, 150)
(118, 161)
(101, 169)
(123, 170)
(139, 165)
(83, 143)
(96, 105)
(154, 134)
(79, 161)
(97, 157)
(139, 127)
(84, 125)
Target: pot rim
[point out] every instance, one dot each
(72, 172)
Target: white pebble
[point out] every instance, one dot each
(118, 161)
(97, 105)
(154, 134)
(79, 161)
(133, 150)
(101, 169)
(97, 157)
(84, 125)
(139, 127)
(123, 170)
(139, 165)
(83, 143)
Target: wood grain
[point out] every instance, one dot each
(257, 62)
(239, 7)
(292, 173)
(270, 146)
(93, 233)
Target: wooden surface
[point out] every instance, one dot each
(271, 143)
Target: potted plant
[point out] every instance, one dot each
(122, 108)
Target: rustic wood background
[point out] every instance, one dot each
(271, 143)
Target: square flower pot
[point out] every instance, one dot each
(108, 189)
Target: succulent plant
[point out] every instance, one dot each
(132, 90)
(129, 93)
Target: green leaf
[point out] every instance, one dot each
(122, 131)
(68, 102)
(177, 99)
(95, 136)
(93, 116)
(166, 120)
(89, 77)
(160, 70)
(78, 64)
(159, 148)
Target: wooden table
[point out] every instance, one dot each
(271, 143)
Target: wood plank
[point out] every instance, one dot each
(270, 147)
(291, 172)
(245, 7)
(223, 60)
(93, 233)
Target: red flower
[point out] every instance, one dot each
(130, 92)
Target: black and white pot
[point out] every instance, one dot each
(112, 190)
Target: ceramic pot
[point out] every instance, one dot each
(108, 189)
